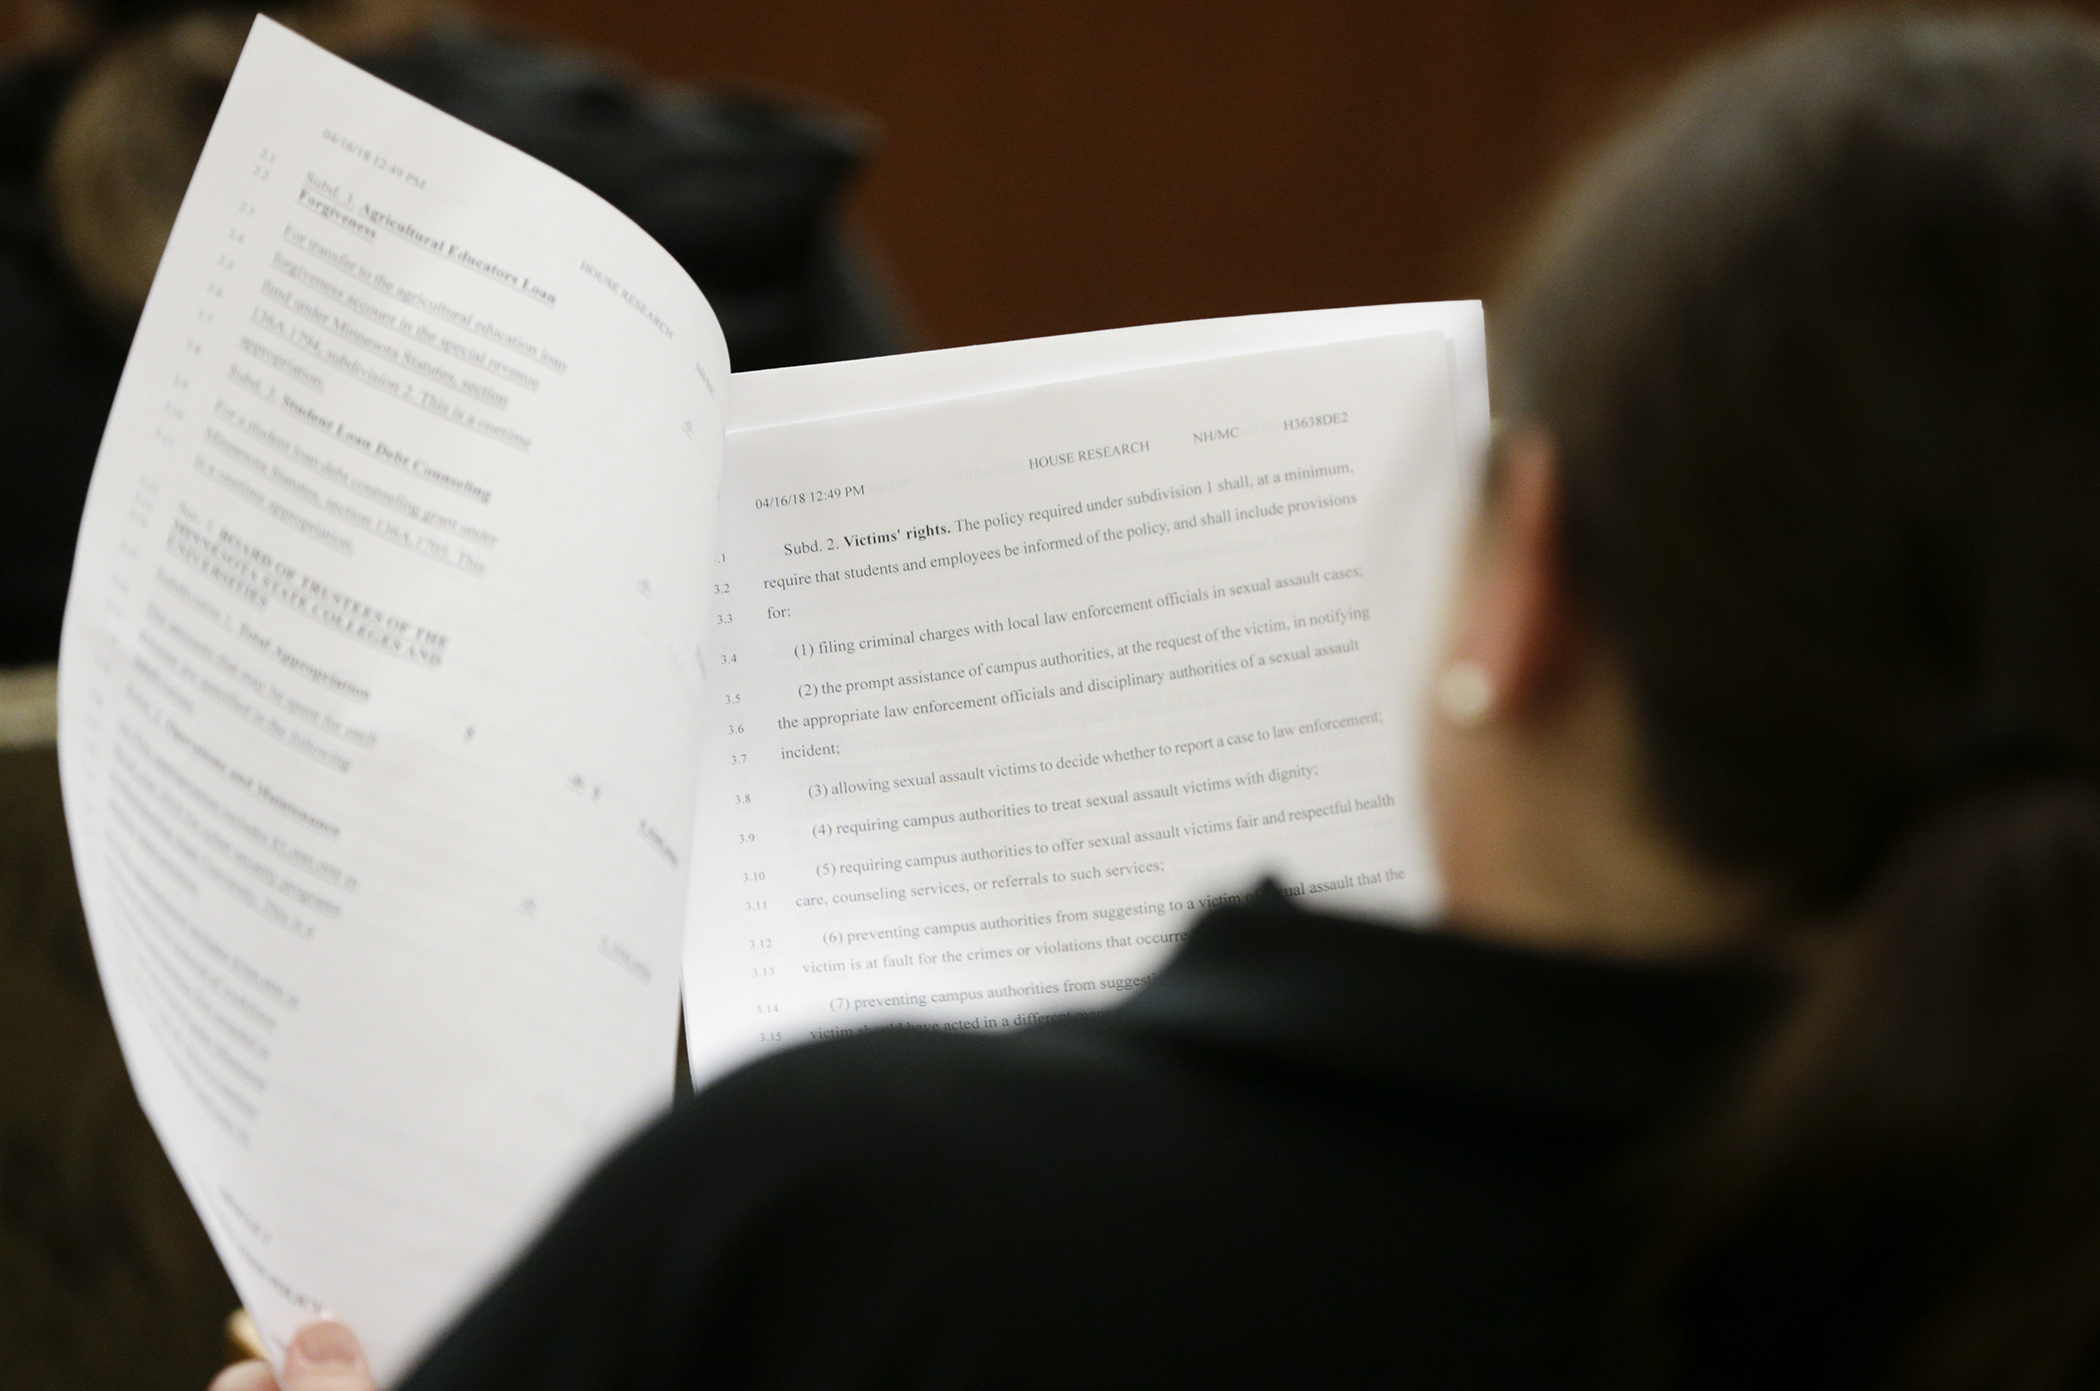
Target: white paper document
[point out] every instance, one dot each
(380, 692)
(1007, 687)
(459, 661)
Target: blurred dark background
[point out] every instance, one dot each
(1056, 165)
(1046, 166)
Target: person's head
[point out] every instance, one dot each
(134, 125)
(1781, 629)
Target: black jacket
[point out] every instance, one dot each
(744, 192)
(1313, 1152)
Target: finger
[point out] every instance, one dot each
(245, 1376)
(324, 1356)
(243, 1338)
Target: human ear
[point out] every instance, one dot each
(1512, 624)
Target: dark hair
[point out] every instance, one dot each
(1820, 347)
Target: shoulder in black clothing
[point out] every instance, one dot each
(1313, 1152)
(59, 365)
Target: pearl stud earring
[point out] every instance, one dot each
(1465, 694)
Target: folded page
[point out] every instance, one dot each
(379, 691)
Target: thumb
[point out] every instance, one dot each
(324, 1356)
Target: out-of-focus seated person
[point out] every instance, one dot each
(101, 123)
